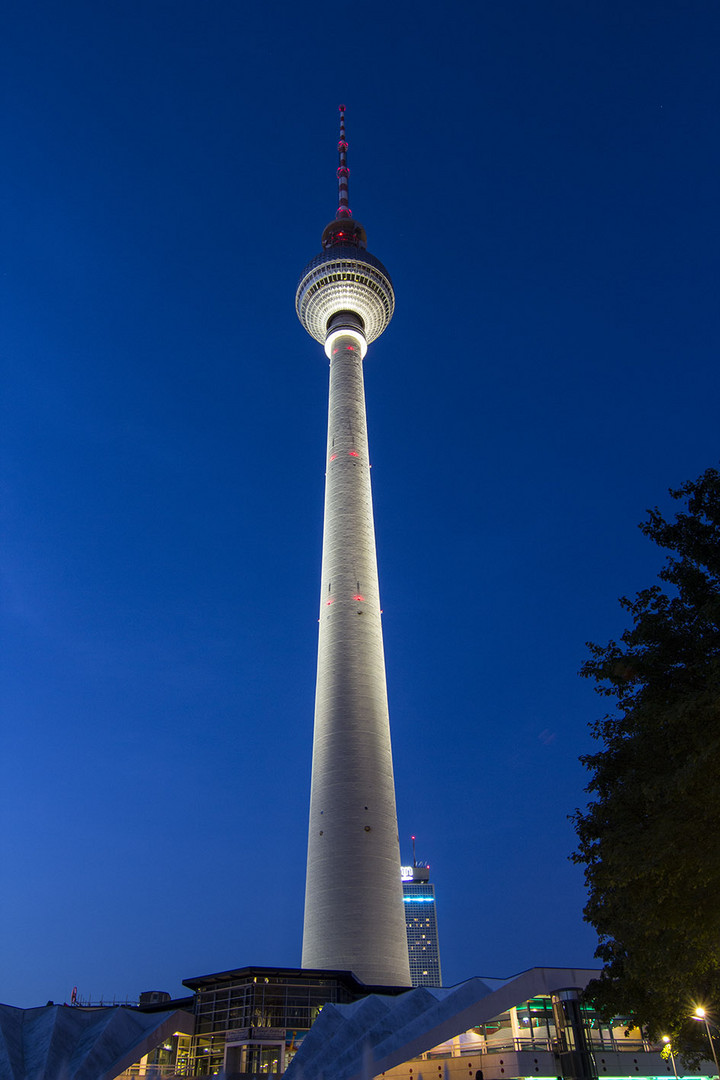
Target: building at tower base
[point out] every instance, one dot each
(531, 1025)
(259, 1022)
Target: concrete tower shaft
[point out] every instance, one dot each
(354, 911)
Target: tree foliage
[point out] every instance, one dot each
(650, 837)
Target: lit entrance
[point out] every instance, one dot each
(257, 1058)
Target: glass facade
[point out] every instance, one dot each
(261, 1001)
(250, 1022)
(531, 1026)
(422, 933)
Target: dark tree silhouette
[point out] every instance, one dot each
(650, 837)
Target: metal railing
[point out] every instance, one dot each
(508, 1046)
(152, 1072)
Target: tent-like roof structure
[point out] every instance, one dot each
(368, 1037)
(64, 1042)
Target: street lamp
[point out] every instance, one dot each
(701, 1015)
(666, 1040)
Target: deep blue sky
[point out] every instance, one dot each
(541, 181)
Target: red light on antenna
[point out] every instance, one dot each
(341, 108)
(333, 456)
(357, 596)
(353, 453)
(328, 602)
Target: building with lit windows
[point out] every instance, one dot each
(422, 927)
(532, 1025)
(260, 1022)
(251, 1020)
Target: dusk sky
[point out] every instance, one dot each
(541, 181)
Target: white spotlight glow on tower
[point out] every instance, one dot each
(354, 912)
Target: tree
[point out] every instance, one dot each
(650, 837)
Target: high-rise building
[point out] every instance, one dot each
(354, 914)
(422, 927)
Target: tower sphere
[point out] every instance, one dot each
(344, 277)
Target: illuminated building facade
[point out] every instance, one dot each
(421, 924)
(251, 1020)
(252, 1023)
(534, 1024)
(354, 913)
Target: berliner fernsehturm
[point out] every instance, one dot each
(354, 916)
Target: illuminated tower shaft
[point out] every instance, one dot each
(354, 912)
(354, 897)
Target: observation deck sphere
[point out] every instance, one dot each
(344, 278)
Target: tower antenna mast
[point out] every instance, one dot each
(343, 173)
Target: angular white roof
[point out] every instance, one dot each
(361, 1040)
(76, 1043)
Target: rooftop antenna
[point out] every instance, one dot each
(343, 173)
(343, 230)
(414, 859)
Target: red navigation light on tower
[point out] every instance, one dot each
(354, 912)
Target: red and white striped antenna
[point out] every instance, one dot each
(343, 173)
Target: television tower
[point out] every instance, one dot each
(354, 913)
